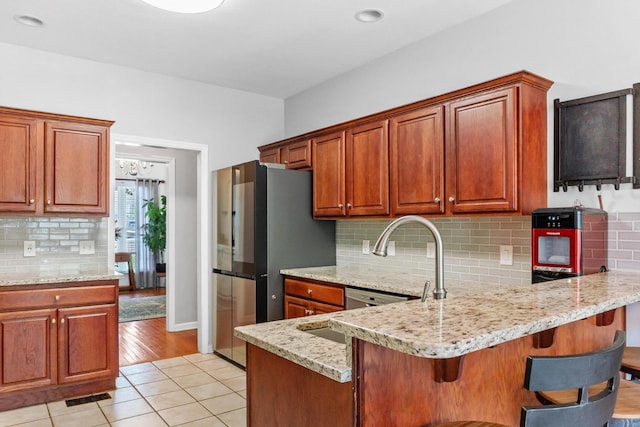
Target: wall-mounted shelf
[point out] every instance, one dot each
(590, 136)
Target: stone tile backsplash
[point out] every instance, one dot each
(57, 245)
(472, 246)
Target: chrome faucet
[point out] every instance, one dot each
(380, 249)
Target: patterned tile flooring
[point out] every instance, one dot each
(194, 390)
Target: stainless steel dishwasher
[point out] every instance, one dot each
(358, 298)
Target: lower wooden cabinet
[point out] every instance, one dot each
(303, 298)
(50, 353)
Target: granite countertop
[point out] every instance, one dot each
(466, 321)
(17, 279)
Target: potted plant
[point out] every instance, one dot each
(155, 230)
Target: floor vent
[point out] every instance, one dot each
(87, 399)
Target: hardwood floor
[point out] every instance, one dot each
(148, 340)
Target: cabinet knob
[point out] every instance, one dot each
(62, 320)
(57, 297)
(32, 201)
(53, 321)
(49, 202)
(437, 200)
(452, 199)
(286, 162)
(339, 205)
(309, 291)
(349, 205)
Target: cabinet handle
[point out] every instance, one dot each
(53, 321)
(452, 199)
(437, 200)
(57, 297)
(339, 205)
(49, 202)
(32, 201)
(309, 291)
(349, 205)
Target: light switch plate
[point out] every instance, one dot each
(365, 246)
(506, 255)
(391, 248)
(431, 250)
(29, 248)
(87, 247)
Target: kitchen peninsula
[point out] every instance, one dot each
(418, 364)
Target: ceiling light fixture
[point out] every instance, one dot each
(185, 6)
(369, 15)
(29, 21)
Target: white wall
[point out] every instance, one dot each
(233, 123)
(586, 47)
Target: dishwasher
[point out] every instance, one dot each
(358, 298)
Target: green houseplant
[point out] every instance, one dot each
(155, 230)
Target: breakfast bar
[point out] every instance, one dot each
(418, 364)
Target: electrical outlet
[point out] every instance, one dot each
(391, 248)
(29, 248)
(506, 255)
(365, 246)
(431, 250)
(87, 247)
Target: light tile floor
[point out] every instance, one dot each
(194, 390)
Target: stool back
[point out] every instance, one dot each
(580, 371)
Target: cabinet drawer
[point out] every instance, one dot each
(57, 297)
(315, 291)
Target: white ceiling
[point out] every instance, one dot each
(271, 47)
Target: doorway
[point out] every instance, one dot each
(187, 286)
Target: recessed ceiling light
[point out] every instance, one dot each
(185, 6)
(369, 15)
(30, 21)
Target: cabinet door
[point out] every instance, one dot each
(270, 156)
(482, 154)
(297, 155)
(29, 349)
(295, 307)
(76, 168)
(416, 158)
(329, 175)
(18, 164)
(367, 169)
(88, 343)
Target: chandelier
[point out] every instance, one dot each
(185, 6)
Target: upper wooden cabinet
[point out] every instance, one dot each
(53, 164)
(481, 150)
(293, 154)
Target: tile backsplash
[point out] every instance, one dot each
(57, 245)
(472, 246)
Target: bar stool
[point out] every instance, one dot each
(631, 361)
(126, 257)
(570, 372)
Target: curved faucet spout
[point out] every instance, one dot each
(380, 249)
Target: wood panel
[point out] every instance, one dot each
(416, 162)
(489, 388)
(329, 176)
(18, 164)
(282, 393)
(74, 150)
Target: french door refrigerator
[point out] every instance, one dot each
(263, 223)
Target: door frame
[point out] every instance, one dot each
(203, 232)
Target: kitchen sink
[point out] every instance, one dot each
(328, 334)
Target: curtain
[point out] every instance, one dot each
(145, 189)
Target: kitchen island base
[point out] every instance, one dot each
(282, 393)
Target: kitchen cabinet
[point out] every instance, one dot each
(303, 298)
(58, 341)
(416, 161)
(294, 154)
(351, 172)
(57, 164)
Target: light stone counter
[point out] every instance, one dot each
(466, 321)
(14, 279)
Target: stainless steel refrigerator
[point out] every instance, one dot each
(263, 223)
